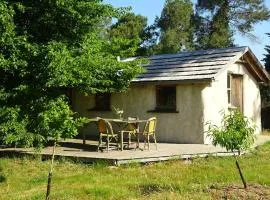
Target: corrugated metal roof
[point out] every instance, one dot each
(196, 65)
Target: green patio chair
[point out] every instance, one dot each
(106, 131)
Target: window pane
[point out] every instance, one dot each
(228, 81)
(103, 101)
(166, 97)
(229, 96)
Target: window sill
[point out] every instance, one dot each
(163, 111)
(100, 109)
(230, 107)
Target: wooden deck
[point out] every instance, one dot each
(75, 150)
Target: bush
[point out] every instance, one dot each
(236, 132)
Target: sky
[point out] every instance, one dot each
(153, 8)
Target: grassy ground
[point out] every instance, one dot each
(25, 178)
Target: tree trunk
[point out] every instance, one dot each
(240, 172)
(50, 174)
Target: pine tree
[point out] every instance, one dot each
(217, 20)
(265, 89)
(267, 57)
(130, 33)
(176, 27)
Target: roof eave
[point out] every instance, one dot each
(165, 82)
(262, 73)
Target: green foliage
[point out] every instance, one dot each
(130, 31)
(47, 47)
(176, 27)
(57, 120)
(92, 67)
(213, 31)
(265, 93)
(265, 89)
(236, 132)
(217, 20)
(267, 56)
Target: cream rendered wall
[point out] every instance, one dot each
(215, 98)
(186, 126)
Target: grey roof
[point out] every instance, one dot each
(192, 66)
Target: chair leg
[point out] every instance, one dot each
(99, 143)
(148, 142)
(144, 141)
(108, 143)
(138, 141)
(117, 142)
(129, 139)
(155, 139)
(121, 141)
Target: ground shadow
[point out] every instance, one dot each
(76, 146)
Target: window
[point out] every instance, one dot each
(103, 101)
(166, 98)
(229, 88)
(235, 91)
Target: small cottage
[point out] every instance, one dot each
(185, 91)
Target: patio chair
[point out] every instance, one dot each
(133, 130)
(150, 130)
(105, 130)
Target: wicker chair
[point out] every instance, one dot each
(132, 131)
(150, 130)
(105, 130)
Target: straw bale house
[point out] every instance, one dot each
(185, 91)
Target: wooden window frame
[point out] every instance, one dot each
(162, 108)
(100, 106)
(231, 105)
(229, 89)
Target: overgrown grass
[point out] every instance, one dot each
(25, 178)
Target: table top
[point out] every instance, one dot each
(120, 120)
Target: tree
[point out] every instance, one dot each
(236, 133)
(46, 47)
(267, 57)
(131, 31)
(213, 31)
(175, 25)
(218, 19)
(265, 89)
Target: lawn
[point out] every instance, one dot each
(25, 178)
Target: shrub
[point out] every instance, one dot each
(236, 133)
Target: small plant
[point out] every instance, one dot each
(236, 134)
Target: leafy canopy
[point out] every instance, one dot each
(236, 132)
(130, 31)
(175, 25)
(47, 47)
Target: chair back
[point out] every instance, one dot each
(133, 126)
(105, 127)
(150, 126)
